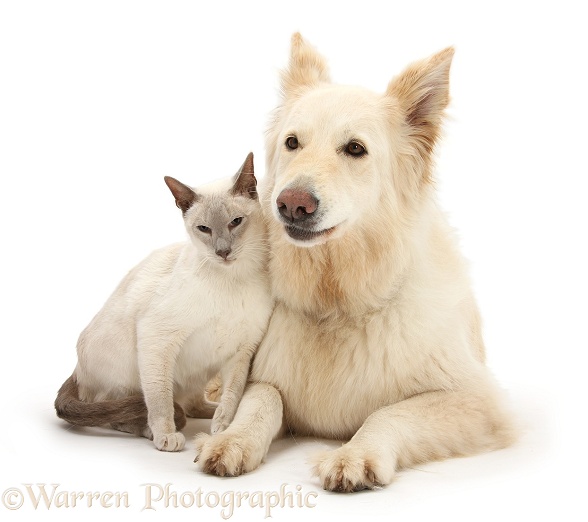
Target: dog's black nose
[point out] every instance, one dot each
(296, 205)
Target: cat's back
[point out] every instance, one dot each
(135, 291)
(107, 354)
(150, 273)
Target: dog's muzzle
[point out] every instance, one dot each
(297, 207)
(298, 210)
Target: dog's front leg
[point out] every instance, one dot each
(429, 426)
(244, 444)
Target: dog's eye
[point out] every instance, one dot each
(356, 149)
(292, 142)
(204, 229)
(236, 222)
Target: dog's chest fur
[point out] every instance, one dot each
(333, 375)
(349, 335)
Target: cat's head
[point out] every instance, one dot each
(223, 216)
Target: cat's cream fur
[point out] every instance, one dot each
(376, 337)
(184, 313)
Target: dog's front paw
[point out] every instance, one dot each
(226, 454)
(348, 469)
(169, 441)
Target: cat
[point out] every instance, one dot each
(183, 314)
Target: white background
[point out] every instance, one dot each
(100, 100)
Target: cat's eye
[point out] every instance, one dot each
(204, 229)
(236, 222)
(356, 149)
(292, 142)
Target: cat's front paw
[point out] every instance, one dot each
(220, 420)
(169, 441)
(348, 469)
(226, 454)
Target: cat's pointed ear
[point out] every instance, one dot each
(306, 68)
(245, 183)
(185, 196)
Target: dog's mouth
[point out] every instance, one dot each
(302, 234)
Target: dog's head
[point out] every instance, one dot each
(333, 150)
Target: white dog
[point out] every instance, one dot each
(375, 336)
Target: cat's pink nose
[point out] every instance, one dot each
(223, 253)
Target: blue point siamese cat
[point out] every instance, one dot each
(185, 313)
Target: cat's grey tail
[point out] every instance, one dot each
(130, 410)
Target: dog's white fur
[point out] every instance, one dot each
(376, 336)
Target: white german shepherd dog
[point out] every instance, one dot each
(375, 336)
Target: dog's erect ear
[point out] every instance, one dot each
(245, 183)
(423, 92)
(306, 68)
(185, 196)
